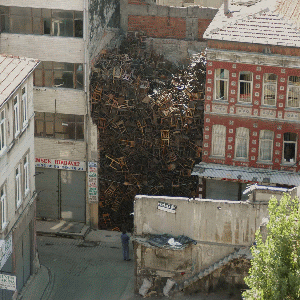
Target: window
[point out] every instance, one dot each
(59, 75)
(59, 126)
(18, 186)
(16, 116)
(289, 147)
(2, 130)
(24, 106)
(26, 175)
(266, 138)
(26, 20)
(245, 86)
(218, 140)
(270, 89)
(3, 206)
(241, 143)
(221, 84)
(4, 19)
(293, 92)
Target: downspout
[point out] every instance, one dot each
(86, 91)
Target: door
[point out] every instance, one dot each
(46, 181)
(72, 195)
(23, 258)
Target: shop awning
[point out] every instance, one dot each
(246, 174)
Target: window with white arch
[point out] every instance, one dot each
(221, 84)
(218, 140)
(293, 93)
(266, 138)
(242, 143)
(245, 87)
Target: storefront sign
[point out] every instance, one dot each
(61, 164)
(5, 250)
(8, 282)
(93, 182)
(171, 208)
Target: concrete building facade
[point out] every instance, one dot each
(251, 129)
(66, 37)
(222, 232)
(17, 170)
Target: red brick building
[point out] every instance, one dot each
(252, 104)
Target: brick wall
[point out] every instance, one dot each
(160, 27)
(202, 25)
(255, 116)
(159, 21)
(235, 46)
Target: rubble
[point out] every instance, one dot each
(149, 114)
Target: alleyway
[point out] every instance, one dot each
(84, 270)
(92, 269)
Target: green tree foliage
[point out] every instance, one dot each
(275, 267)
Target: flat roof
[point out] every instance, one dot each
(13, 71)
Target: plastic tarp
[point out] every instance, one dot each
(169, 241)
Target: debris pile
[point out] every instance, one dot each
(149, 115)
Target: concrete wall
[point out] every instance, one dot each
(218, 226)
(104, 24)
(42, 47)
(59, 100)
(165, 22)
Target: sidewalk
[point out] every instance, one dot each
(62, 228)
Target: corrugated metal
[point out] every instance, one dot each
(266, 22)
(246, 174)
(13, 71)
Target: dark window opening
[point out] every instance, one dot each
(289, 147)
(59, 126)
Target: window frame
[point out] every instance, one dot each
(289, 86)
(2, 130)
(283, 149)
(217, 82)
(24, 106)
(241, 139)
(3, 200)
(218, 137)
(26, 179)
(273, 84)
(36, 22)
(265, 140)
(56, 118)
(48, 71)
(18, 186)
(245, 82)
(16, 115)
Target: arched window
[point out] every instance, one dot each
(293, 93)
(270, 89)
(221, 84)
(266, 138)
(242, 143)
(218, 140)
(245, 86)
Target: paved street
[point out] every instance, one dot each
(85, 269)
(90, 269)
